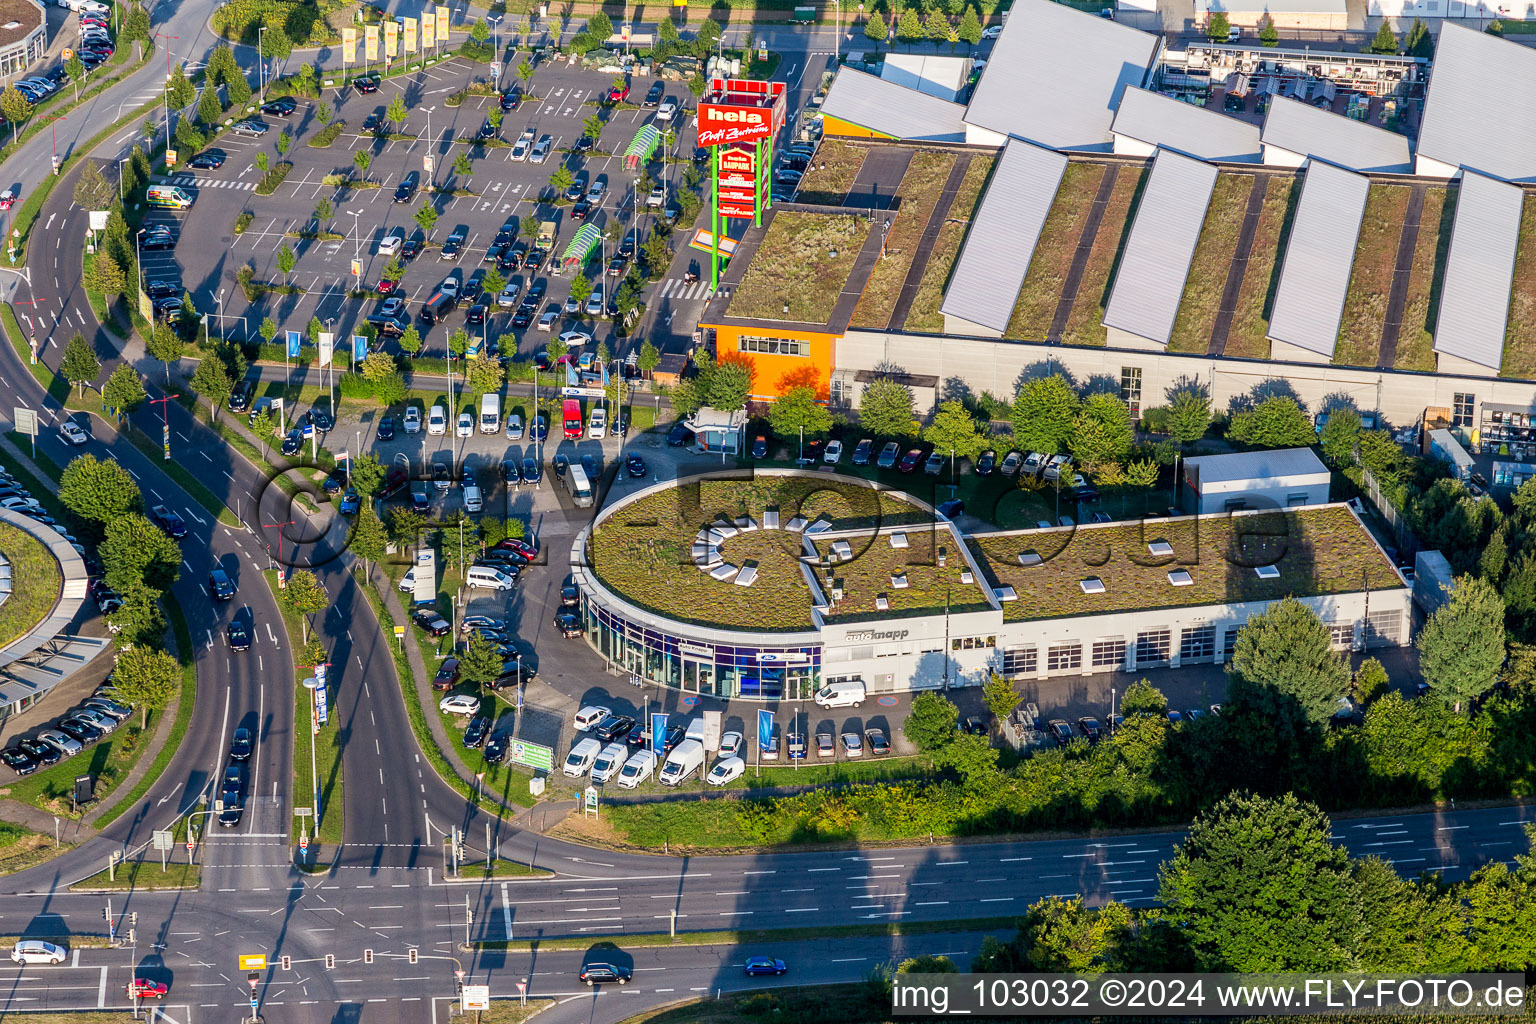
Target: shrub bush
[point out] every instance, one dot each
(242, 222)
(273, 178)
(328, 134)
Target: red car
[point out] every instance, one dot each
(911, 460)
(143, 988)
(619, 93)
(386, 286)
(7, 199)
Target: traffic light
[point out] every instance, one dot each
(412, 955)
(132, 936)
(367, 956)
(287, 962)
(133, 917)
(330, 961)
(105, 916)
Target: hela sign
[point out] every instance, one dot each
(721, 123)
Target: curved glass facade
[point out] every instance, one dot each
(695, 666)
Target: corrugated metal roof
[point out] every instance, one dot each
(891, 109)
(1477, 112)
(1259, 465)
(1160, 120)
(1315, 276)
(1474, 303)
(928, 73)
(1204, 7)
(1311, 131)
(992, 265)
(1056, 74)
(1150, 281)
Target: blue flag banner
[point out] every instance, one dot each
(359, 348)
(572, 376)
(658, 733)
(295, 342)
(321, 711)
(764, 729)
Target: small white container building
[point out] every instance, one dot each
(1282, 478)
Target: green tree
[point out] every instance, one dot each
(706, 38)
(166, 345)
(492, 283)
(395, 113)
(1386, 39)
(972, 758)
(405, 524)
(1063, 935)
(797, 410)
(1371, 682)
(561, 180)
(1268, 34)
(304, 596)
(264, 425)
(369, 541)
(593, 127)
(275, 42)
(885, 410)
(480, 32)
(1461, 648)
(80, 365)
(1218, 27)
(147, 678)
(108, 276)
(136, 24)
(928, 963)
(426, 218)
(209, 109)
(267, 330)
(284, 142)
(875, 30)
(481, 662)
(92, 190)
(1500, 913)
(486, 375)
(14, 106)
(1142, 698)
(286, 260)
(1044, 414)
(324, 113)
(410, 341)
(1276, 422)
(179, 91)
(376, 366)
(362, 159)
(98, 491)
(76, 69)
(1001, 696)
(1258, 885)
(494, 116)
(135, 550)
(236, 88)
(599, 26)
(211, 380)
(1189, 415)
(581, 288)
(1339, 437)
(1101, 434)
(462, 166)
(525, 73)
(458, 342)
(970, 27)
(650, 358)
(931, 722)
(324, 211)
(1288, 651)
(937, 27)
(954, 430)
(1419, 43)
(909, 27)
(367, 474)
(729, 386)
(139, 621)
(123, 389)
(1141, 473)
(263, 161)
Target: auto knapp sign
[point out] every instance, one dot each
(721, 123)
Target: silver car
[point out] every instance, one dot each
(68, 745)
(1011, 463)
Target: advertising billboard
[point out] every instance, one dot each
(721, 124)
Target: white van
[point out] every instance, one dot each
(597, 424)
(637, 769)
(695, 730)
(485, 576)
(847, 693)
(473, 502)
(609, 762)
(686, 758)
(490, 414)
(581, 757)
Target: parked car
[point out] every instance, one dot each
(459, 704)
(760, 965)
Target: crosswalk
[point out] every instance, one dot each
(188, 179)
(677, 289)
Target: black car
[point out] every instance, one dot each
(759, 446)
(635, 465)
(986, 462)
(1091, 729)
(161, 289)
(240, 745)
(232, 795)
(372, 123)
(222, 587)
(294, 442)
(580, 210)
(496, 749)
(452, 244)
(678, 436)
(533, 472)
(211, 160)
(407, 188)
(589, 466)
(157, 241)
(653, 97)
(474, 288)
(42, 753)
(603, 973)
(366, 84)
(411, 249)
(675, 735)
(280, 107)
(975, 725)
(487, 131)
(568, 624)
(475, 315)
(522, 318)
(386, 430)
(239, 637)
(562, 463)
(570, 596)
(474, 732)
(77, 730)
(509, 100)
(615, 728)
(432, 623)
(18, 760)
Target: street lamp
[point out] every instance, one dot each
(261, 63)
(357, 237)
(496, 27)
(432, 174)
(120, 181)
(138, 259)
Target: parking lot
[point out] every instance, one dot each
(208, 253)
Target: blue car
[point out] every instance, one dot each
(756, 965)
(349, 503)
(540, 429)
(532, 471)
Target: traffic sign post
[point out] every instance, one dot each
(254, 979)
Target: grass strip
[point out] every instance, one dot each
(327, 746)
(1248, 337)
(144, 872)
(35, 586)
(173, 469)
(847, 1003)
(184, 654)
(830, 931)
(22, 848)
(1416, 338)
(1520, 331)
(924, 316)
(1052, 259)
(506, 1011)
(1085, 324)
(919, 193)
(1214, 252)
(503, 868)
(1370, 282)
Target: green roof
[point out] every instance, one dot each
(1313, 551)
(867, 576)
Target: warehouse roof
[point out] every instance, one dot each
(1310, 131)
(1479, 85)
(928, 73)
(1056, 75)
(1150, 281)
(991, 267)
(1315, 276)
(1204, 7)
(1159, 120)
(1474, 302)
(1270, 465)
(890, 109)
